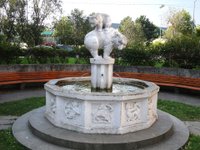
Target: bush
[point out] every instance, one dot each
(155, 57)
(183, 52)
(9, 54)
(137, 55)
(82, 54)
(43, 55)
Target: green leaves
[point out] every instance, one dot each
(181, 24)
(9, 53)
(71, 30)
(16, 23)
(133, 31)
(149, 29)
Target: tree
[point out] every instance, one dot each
(64, 30)
(1, 15)
(149, 29)
(42, 9)
(72, 29)
(8, 20)
(22, 22)
(15, 21)
(198, 30)
(133, 31)
(80, 26)
(180, 24)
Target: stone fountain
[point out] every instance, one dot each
(100, 112)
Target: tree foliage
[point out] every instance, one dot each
(80, 26)
(63, 30)
(149, 29)
(10, 8)
(198, 31)
(42, 9)
(133, 31)
(72, 29)
(180, 24)
(16, 20)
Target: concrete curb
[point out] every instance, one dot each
(7, 121)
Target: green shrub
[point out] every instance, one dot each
(82, 54)
(183, 52)
(45, 55)
(137, 55)
(9, 54)
(154, 55)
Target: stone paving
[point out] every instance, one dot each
(194, 127)
(7, 121)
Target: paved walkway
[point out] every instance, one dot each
(7, 96)
(20, 94)
(180, 97)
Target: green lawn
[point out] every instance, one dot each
(180, 110)
(72, 60)
(7, 141)
(193, 143)
(18, 108)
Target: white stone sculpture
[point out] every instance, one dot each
(106, 40)
(100, 21)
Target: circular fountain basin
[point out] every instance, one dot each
(130, 106)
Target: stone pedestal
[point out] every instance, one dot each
(101, 74)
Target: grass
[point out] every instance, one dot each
(8, 142)
(72, 60)
(180, 110)
(194, 143)
(18, 108)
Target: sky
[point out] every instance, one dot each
(119, 9)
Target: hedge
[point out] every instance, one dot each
(182, 52)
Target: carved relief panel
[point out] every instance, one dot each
(53, 105)
(102, 114)
(72, 109)
(132, 112)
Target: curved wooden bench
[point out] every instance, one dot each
(31, 77)
(165, 80)
(7, 78)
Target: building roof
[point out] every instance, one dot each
(47, 33)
